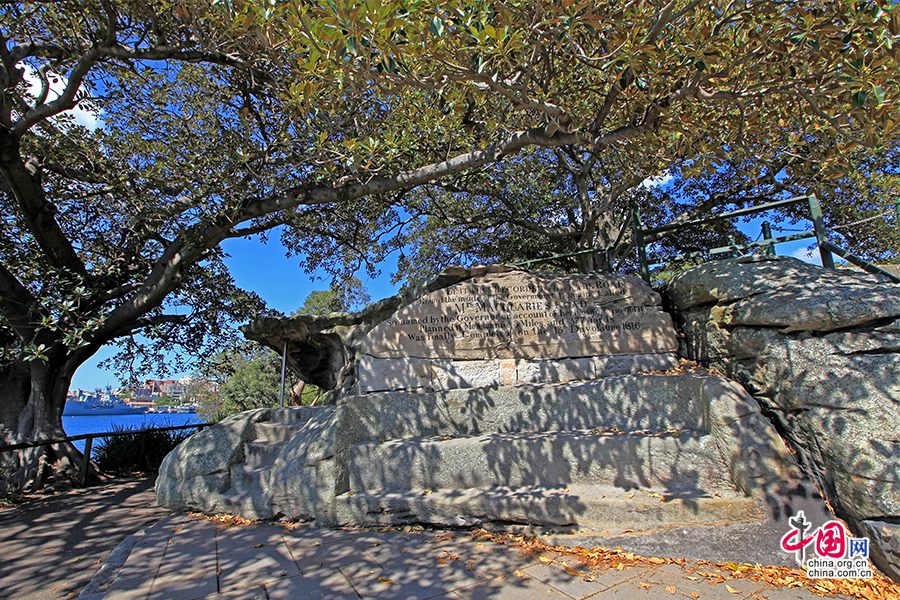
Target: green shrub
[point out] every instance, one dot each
(137, 450)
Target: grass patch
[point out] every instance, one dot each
(136, 450)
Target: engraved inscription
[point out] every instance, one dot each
(520, 315)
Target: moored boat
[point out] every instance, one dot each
(81, 408)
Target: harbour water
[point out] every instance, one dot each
(103, 423)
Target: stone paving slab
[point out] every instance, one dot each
(203, 561)
(53, 544)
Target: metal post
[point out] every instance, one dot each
(86, 461)
(639, 243)
(733, 242)
(283, 364)
(815, 212)
(767, 235)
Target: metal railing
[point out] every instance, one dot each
(89, 440)
(639, 234)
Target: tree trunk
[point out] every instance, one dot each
(601, 234)
(32, 398)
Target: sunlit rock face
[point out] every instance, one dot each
(820, 350)
(495, 394)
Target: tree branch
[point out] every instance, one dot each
(18, 305)
(24, 182)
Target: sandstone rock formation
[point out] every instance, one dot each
(820, 350)
(494, 395)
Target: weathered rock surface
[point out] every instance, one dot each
(385, 374)
(521, 314)
(820, 351)
(633, 452)
(495, 394)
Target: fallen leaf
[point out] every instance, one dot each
(479, 545)
(731, 589)
(469, 567)
(691, 578)
(426, 492)
(670, 589)
(383, 580)
(695, 595)
(404, 551)
(545, 559)
(519, 573)
(259, 545)
(572, 572)
(645, 585)
(629, 530)
(442, 561)
(349, 493)
(656, 560)
(631, 495)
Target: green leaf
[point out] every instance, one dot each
(879, 93)
(478, 63)
(701, 66)
(436, 26)
(859, 99)
(352, 46)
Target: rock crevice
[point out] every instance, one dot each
(816, 348)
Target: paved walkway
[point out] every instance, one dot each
(185, 558)
(52, 545)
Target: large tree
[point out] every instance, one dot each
(529, 207)
(228, 118)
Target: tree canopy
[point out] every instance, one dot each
(227, 119)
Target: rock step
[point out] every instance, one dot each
(246, 478)
(267, 431)
(685, 461)
(606, 508)
(259, 454)
(294, 415)
(632, 402)
(248, 503)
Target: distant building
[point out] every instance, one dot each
(173, 388)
